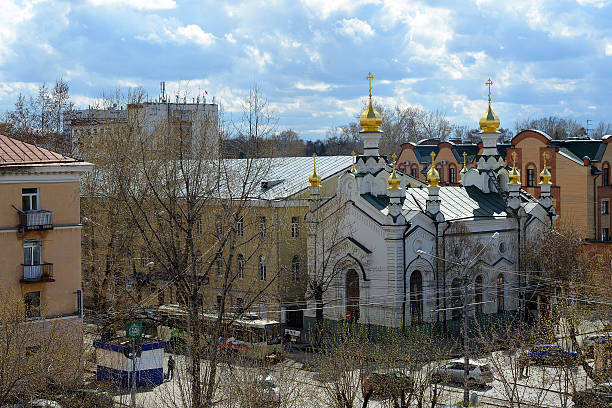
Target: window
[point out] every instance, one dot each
(262, 268)
(198, 226)
(605, 234)
(219, 263)
(295, 268)
(456, 299)
(530, 177)
(452, 175)
(413, 172)
(262, 227)
(219, 301)
(441, 173)
(478, 294)
(352, 294)
(605, 178)
(295, 227)
(32, 304)
(240, 263)
(239, 305)
(30, 199)
(605, 207)
(32, 252)
(500, 293)
(218, 225)
(240, 226)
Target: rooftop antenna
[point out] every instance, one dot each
(162, 86)
(588, 129)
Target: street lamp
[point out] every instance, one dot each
(466, 266)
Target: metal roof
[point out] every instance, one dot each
(283, 177)
(16, 152)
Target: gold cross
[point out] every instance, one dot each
(489, 83)
(394, 156)
(432, 158)
(545, 156)
(464, 158)
(513, 159)
(370, 77)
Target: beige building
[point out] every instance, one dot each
(40, 230)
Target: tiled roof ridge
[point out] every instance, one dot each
(14, 151)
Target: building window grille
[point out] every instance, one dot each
(605, 234)
(262, 268)
(413, 172)
(240, 226)
(295, 268)
(295, 227)
(219, 264)
(605, 207)
(262, 227)
(240, 263)
(32, 304)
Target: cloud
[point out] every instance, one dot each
(11, 19)
(325, 8)
(314, 86)
(608, 50)
(594, 3)
(354, 28)
(191, 33)
(136, 4)
(257, 57)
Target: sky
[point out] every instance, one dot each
(310, 57)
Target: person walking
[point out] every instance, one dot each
(524, 362)
(170, 368)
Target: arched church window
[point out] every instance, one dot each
(352, 294)
(456, 298)
(605, 175)
(478, 294)
(500, 293)
(414, 170)
(416, 297)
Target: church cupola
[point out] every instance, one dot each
(433, 177)
(464, 169)
(394, 180)
(314, 178)
(545, 185)
(514, 186)
(370, 125)
(395, 193)
(432, 204)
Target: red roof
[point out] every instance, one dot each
(13, 151)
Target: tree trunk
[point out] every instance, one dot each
(196, 357)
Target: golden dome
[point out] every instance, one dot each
(394, 180)
(433, 177)
(545, 175)
(514, 176)
(464, 169)
(370, 119)
(489, 122)
(314, 178)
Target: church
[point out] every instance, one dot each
(385, 253)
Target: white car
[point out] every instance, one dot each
(453, 371)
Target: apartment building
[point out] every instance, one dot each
(40, 232)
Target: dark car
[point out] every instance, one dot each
(386, 384)
(551, 354)
(599, 396)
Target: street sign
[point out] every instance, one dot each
(133, 330)
(348, 315)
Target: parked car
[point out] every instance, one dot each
(599, 396)
(478, 374)
(551, 354)
(386, 384)
(266, 392)
(597, 338)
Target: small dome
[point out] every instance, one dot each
(464, 169)
(370, 119)
(489, 123)
(545, 175)
(433, 177)
(314, 178)
(514, 176)
(394, 180)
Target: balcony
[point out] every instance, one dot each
(38, 273)
(36, 220)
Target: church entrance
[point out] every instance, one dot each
(352, 294)
(416, 297)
